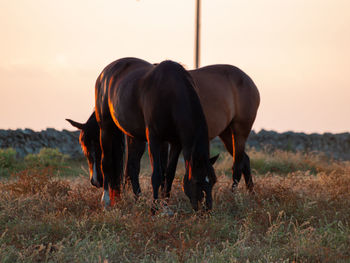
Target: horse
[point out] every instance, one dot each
(156, 104)
(230, 102)
(90, 138)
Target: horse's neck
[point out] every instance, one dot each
(199, 147)
(201, 143)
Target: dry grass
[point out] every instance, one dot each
(301, 215)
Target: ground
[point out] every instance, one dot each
(300, 212)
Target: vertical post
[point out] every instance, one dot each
(197, 47)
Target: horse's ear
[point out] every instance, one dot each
(75, 124)
(212, 160)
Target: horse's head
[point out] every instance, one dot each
(199, 181)
(90, 142)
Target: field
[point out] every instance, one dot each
(300, 212)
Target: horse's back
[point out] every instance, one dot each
(227, 94)
(107, 85)
(170, 102)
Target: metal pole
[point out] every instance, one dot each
(197, 47)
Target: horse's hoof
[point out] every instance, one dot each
(165, 195)
(166, 211)
(114, 196)
(252, 193)
(154, 207)
(162, 208)
(137, 196)
(250, 189)
(153, 210)
(234, 187)
(105, 199)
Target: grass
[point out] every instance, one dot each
(300, 212)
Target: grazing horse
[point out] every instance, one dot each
(158, 104)
(90, 136)
(230, 101)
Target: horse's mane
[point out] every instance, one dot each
(174, 68)
(200, 147)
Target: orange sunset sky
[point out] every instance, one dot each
(296, 51)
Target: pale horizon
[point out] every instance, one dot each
(297, 53)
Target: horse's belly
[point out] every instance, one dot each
(216, 124)
(218, 111)
(129, 123)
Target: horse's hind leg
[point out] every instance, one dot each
(135, 148)
(242, 163)
(227, 138)
(247, 173)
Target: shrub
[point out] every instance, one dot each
(7, 158)
(45, 158)
(8, 161)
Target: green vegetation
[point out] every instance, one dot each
(59, 163)
(300, 212)
(45, 158)
(8, 161)
(282, 162)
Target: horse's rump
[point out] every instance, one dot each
(226, 94)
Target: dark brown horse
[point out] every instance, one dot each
(160, 104)
(90, 137)
(230, 101)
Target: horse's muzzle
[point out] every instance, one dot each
(95, 183)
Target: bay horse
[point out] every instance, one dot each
(230, 101)
(158, 104)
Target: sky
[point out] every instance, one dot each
(296, 51)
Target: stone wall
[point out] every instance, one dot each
(28, 141)
(334, 145)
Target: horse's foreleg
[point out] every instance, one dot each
(171, 169)
(241, 159)
(238, 164)
(135, 149)
(107, 165)
(228, 138)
